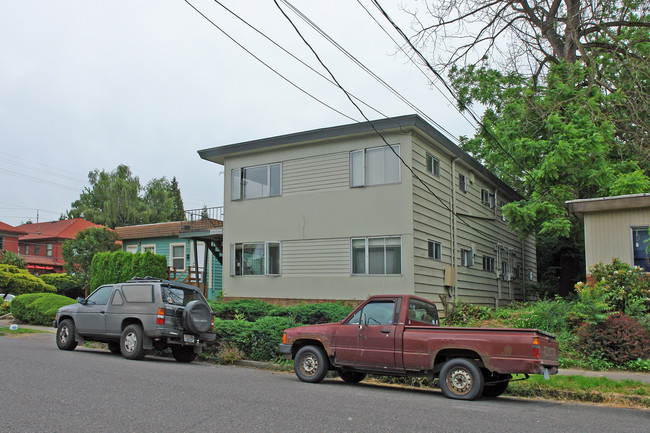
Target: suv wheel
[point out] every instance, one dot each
(183, 353)
(131, 342)
(197, 317)
(65, 335)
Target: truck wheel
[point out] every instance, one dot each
(65, 335)
(495, 390)
(131, 342)
(311, 364)
(114, 346)
(351, 376)
(461, 379)
(183, 353)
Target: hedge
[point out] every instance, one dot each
(247, 309)
(65, 284)
(19, 281)
(38, 308)
(312, 314)
(120, 266)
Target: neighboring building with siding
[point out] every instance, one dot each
(183, 252)
(615, 227)
(333, 214)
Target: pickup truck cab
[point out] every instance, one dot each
(399, 335)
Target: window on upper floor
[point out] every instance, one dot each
(375, 166)
(48, 250)
(462, 182)
(487, 198)
(488, 263)
(434, 250)
(433, 165)
(377, 256)
(255, 258)
(37, 249)
(640, 239)
(256, 182)
(26, 250)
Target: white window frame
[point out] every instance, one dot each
(435, 165)
(362, 153)
(131, 249)
(143, 248)
(487, 198)
(172, 257)
(434, 250)
(366, 264)
(466, 257)
(49, 250)
(238, 181)
(266, 259)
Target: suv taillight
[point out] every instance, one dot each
(160, 317)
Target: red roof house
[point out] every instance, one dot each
(9, 237)
(41, 246)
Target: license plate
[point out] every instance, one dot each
(188, 338)
(546, 375)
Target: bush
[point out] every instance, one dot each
(265, 336)
(38, 308)
(312, 314)
(19, 281)
(11, 258)
(120, 266)
(618, 340)
(621, 284)
(464, 314)
(246, 309)
(66, 284)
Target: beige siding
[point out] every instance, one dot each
(316, 173)
(609, 234)
(316, 257)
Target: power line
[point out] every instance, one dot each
(267, 65)
(362, 66)
(487, 235)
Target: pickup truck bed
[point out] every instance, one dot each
(399, 335)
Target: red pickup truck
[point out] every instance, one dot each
(399, 335)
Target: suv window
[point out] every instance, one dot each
(138, 292)
(100, 296)
(117, 299)
(179, 295)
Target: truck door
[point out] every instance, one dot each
(368, 338)
(91, 317)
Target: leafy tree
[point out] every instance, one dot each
(78, 252)
(116, 199)
(11, 258)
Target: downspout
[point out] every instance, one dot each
(453, 226)
(523, 267)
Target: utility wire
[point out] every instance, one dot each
(292, 55)
(267, 65)
(362, 66)
(487, 235)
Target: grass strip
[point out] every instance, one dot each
(5, 330)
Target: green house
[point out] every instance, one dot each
(192, 248)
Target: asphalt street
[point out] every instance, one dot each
(44, 389)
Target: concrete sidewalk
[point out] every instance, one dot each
(615, 375)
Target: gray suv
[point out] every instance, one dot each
(137, 316)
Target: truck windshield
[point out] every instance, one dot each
(180, 296)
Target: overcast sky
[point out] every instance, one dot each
(90, 85)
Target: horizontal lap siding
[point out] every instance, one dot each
(315, 173)
(324, 257)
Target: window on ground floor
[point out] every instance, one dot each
(640, 253)
(255, 258)
(177, 256)
(377, 256)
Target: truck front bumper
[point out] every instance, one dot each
(285, 349)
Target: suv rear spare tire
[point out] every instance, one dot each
(197, 317)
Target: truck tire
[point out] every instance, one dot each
(495, 389)
(183, 353)
(65, 335)
(311, 364)
(351, 376)
(461, 379)
(197, 317)
(131, 342)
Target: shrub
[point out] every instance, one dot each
(265, 336)
(66, 284)
(618, 340)
(464, 314)
(233, 331)
(38, 308)
(247, 309)
(120, 266)
(19, 281)
(312, 314)
(621, 283)
(11, 258)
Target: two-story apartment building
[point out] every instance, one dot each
(338, 214)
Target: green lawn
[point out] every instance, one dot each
(4, 330)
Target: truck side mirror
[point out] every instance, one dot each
(81, 300)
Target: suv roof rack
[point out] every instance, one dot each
(147, 278)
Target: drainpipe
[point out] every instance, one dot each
(523, 267)
(453, 225)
